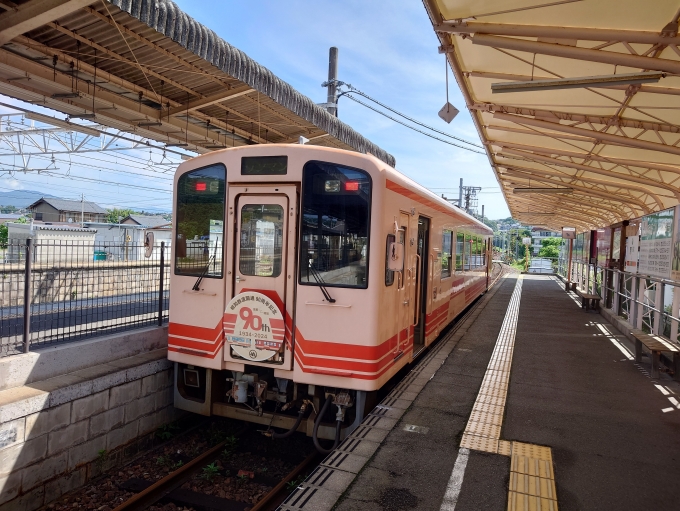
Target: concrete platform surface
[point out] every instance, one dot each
(611, 434)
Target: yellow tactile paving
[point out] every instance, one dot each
(504, 447)
(532, 485)
(484, 399)
(532, 480)
(493, 392)
(489, 387)
(531, 466)
(490, 408)
(499, 365)
(496, 376)
(481, 429)
(532, 451)
(479, 443)
(487, 417)
(524, 502)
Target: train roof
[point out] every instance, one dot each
(393, 173)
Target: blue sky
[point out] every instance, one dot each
(387, 49)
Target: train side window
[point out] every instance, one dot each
(389, 274)
(460, 244)
(200, 222)
(446, 253)
(261, 238)
(334, 233)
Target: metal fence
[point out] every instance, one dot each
(54, 291)
(648, 303)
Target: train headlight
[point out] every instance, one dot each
(332, 186)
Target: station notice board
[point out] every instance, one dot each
(656, 244)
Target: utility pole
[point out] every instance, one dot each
(482, 213)
(460, 194)
(332, 98)
(82, 210)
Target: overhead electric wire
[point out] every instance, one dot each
(356, 91)
(411, 127)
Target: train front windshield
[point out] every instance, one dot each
(200, 222)
(336, 210)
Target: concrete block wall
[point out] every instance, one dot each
(52, 442)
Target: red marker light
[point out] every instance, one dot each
(201, 187)
(352, 186)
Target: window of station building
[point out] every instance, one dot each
(261, 238)
(460, 250)
(336, 215)
(447, 240)
(389, 274)
(199, 231)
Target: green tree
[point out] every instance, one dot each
(113, 215)
(550, 247)
(4, 230)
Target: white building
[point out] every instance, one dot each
(52, 244)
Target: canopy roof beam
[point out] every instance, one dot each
(552, 32)
(33, 14)
(211, 100)
(582, 214)
(586, 179)
(589, 209)
(578, 118)
(635, 205)
(576, 53)
(675, 191)
(598, 135)
(588, 156)
(652, 89)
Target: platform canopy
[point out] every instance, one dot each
(144, 66)
(577, 102)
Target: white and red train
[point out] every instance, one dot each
(303, 278)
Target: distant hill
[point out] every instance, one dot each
(21, 198)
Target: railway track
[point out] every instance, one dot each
(169, 488)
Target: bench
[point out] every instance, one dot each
(655, 345)
(588, 301)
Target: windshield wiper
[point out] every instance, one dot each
(197, 284)
(320, 282)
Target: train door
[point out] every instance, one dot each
(422, 272)
(263, 263)
(404, 293)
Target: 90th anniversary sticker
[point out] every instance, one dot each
(254, 326)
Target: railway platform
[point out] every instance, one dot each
(529, 402)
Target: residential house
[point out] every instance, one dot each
(70, 211)
(145, 220)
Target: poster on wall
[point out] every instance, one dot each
(603, 247)
(631, 262)
(675, 264)
(616, 245)
(656, 244)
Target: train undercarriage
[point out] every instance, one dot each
(256, 395)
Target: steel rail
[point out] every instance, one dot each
(166, 485)
(277, 494)
(162, 487)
